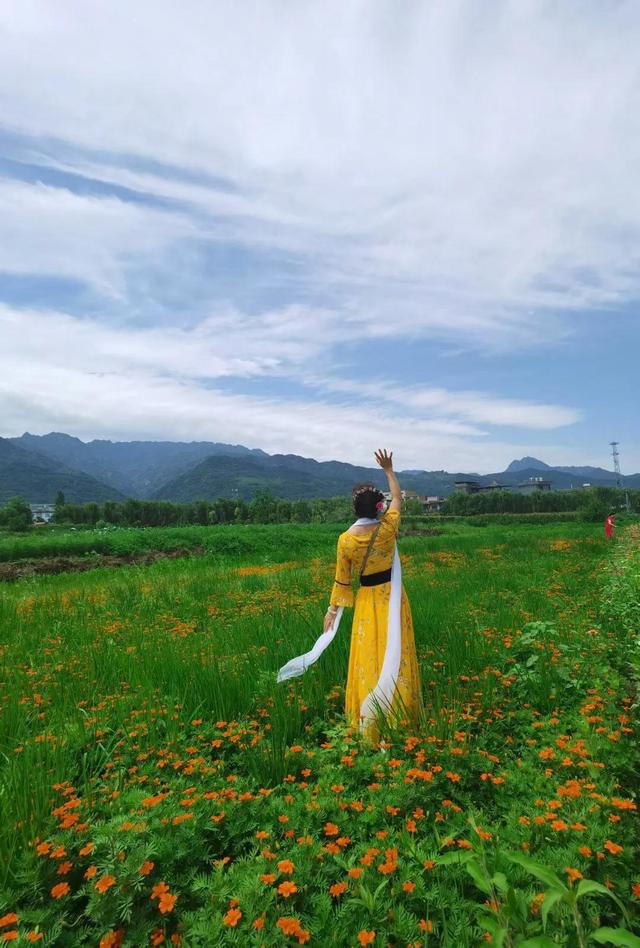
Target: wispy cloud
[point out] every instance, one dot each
(62, 370)
(259, 191)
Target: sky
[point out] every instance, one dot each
(323, 228)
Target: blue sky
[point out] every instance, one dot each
(322, 228)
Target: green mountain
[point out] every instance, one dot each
(38, 478)
(37, 466)
(133, 468)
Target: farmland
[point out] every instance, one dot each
(159, 787)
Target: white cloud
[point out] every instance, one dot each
(449, 166)
(54, 232)
(62, 372)
(479, 407)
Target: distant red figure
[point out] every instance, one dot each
(609, 525)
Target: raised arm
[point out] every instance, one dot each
(385, 460)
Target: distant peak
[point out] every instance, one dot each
(528, 462)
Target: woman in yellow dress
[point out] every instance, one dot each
(383, 672)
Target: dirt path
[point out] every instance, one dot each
(22, 569)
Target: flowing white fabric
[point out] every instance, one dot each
(381, 695)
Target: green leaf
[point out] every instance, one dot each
(616, 936)
(585, 886)
(551, 898)
(495, 929)
(540, 872)
(538, 941)
(458, 859)
(475, 871)
(499, 881)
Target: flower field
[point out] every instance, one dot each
(158, 787)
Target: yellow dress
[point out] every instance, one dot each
(369, 632)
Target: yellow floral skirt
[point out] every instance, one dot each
(368, 644)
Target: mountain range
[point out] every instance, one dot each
(38, 466)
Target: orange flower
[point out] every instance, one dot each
(288, 926)
(337, 889)
(330, 829)
(112, 939)
(635, 888)
(157, 936)
(355, 873)
(286, 866)
(10, 935)
(105, 883)
(426, 925)
(9, 919)
(90, 872)
(86, 849)
(585, 851)
(573, 874)
(167, 902)
(62, 888)
(232, 917)
(408, 886)
(34, 936)
(268, 878)
(613, 848)
(146, 867)
(366, 938)
(287, 888)
(258, 923)
(159, 889)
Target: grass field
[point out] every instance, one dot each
(160, 788)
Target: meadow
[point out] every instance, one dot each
(158, 786)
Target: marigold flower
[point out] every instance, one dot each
(286, 866)
(34, 936)
(330, 829)
(232, 917)
(268, 878)
(366, 938)
(355, 872)
(408, 886)
(10, 935)
(573, 874)
(167, 902)
(146, 867)
(112, 939)
(613, 848)
(635, 888)
(105, 883)
(287, 888)
(159, 889)
(426, 925)
(59, 890)
(337, 889)
(9, 919)
(86, 849)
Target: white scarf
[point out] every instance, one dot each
(382, 694)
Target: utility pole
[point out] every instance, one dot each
(615, 454)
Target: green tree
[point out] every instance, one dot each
(16, 515)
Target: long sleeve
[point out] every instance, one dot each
(342, 592)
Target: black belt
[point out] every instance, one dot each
(376, 579)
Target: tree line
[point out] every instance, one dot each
(592, 504)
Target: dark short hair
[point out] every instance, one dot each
(365, 497)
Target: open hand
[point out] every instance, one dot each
(384, 459)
